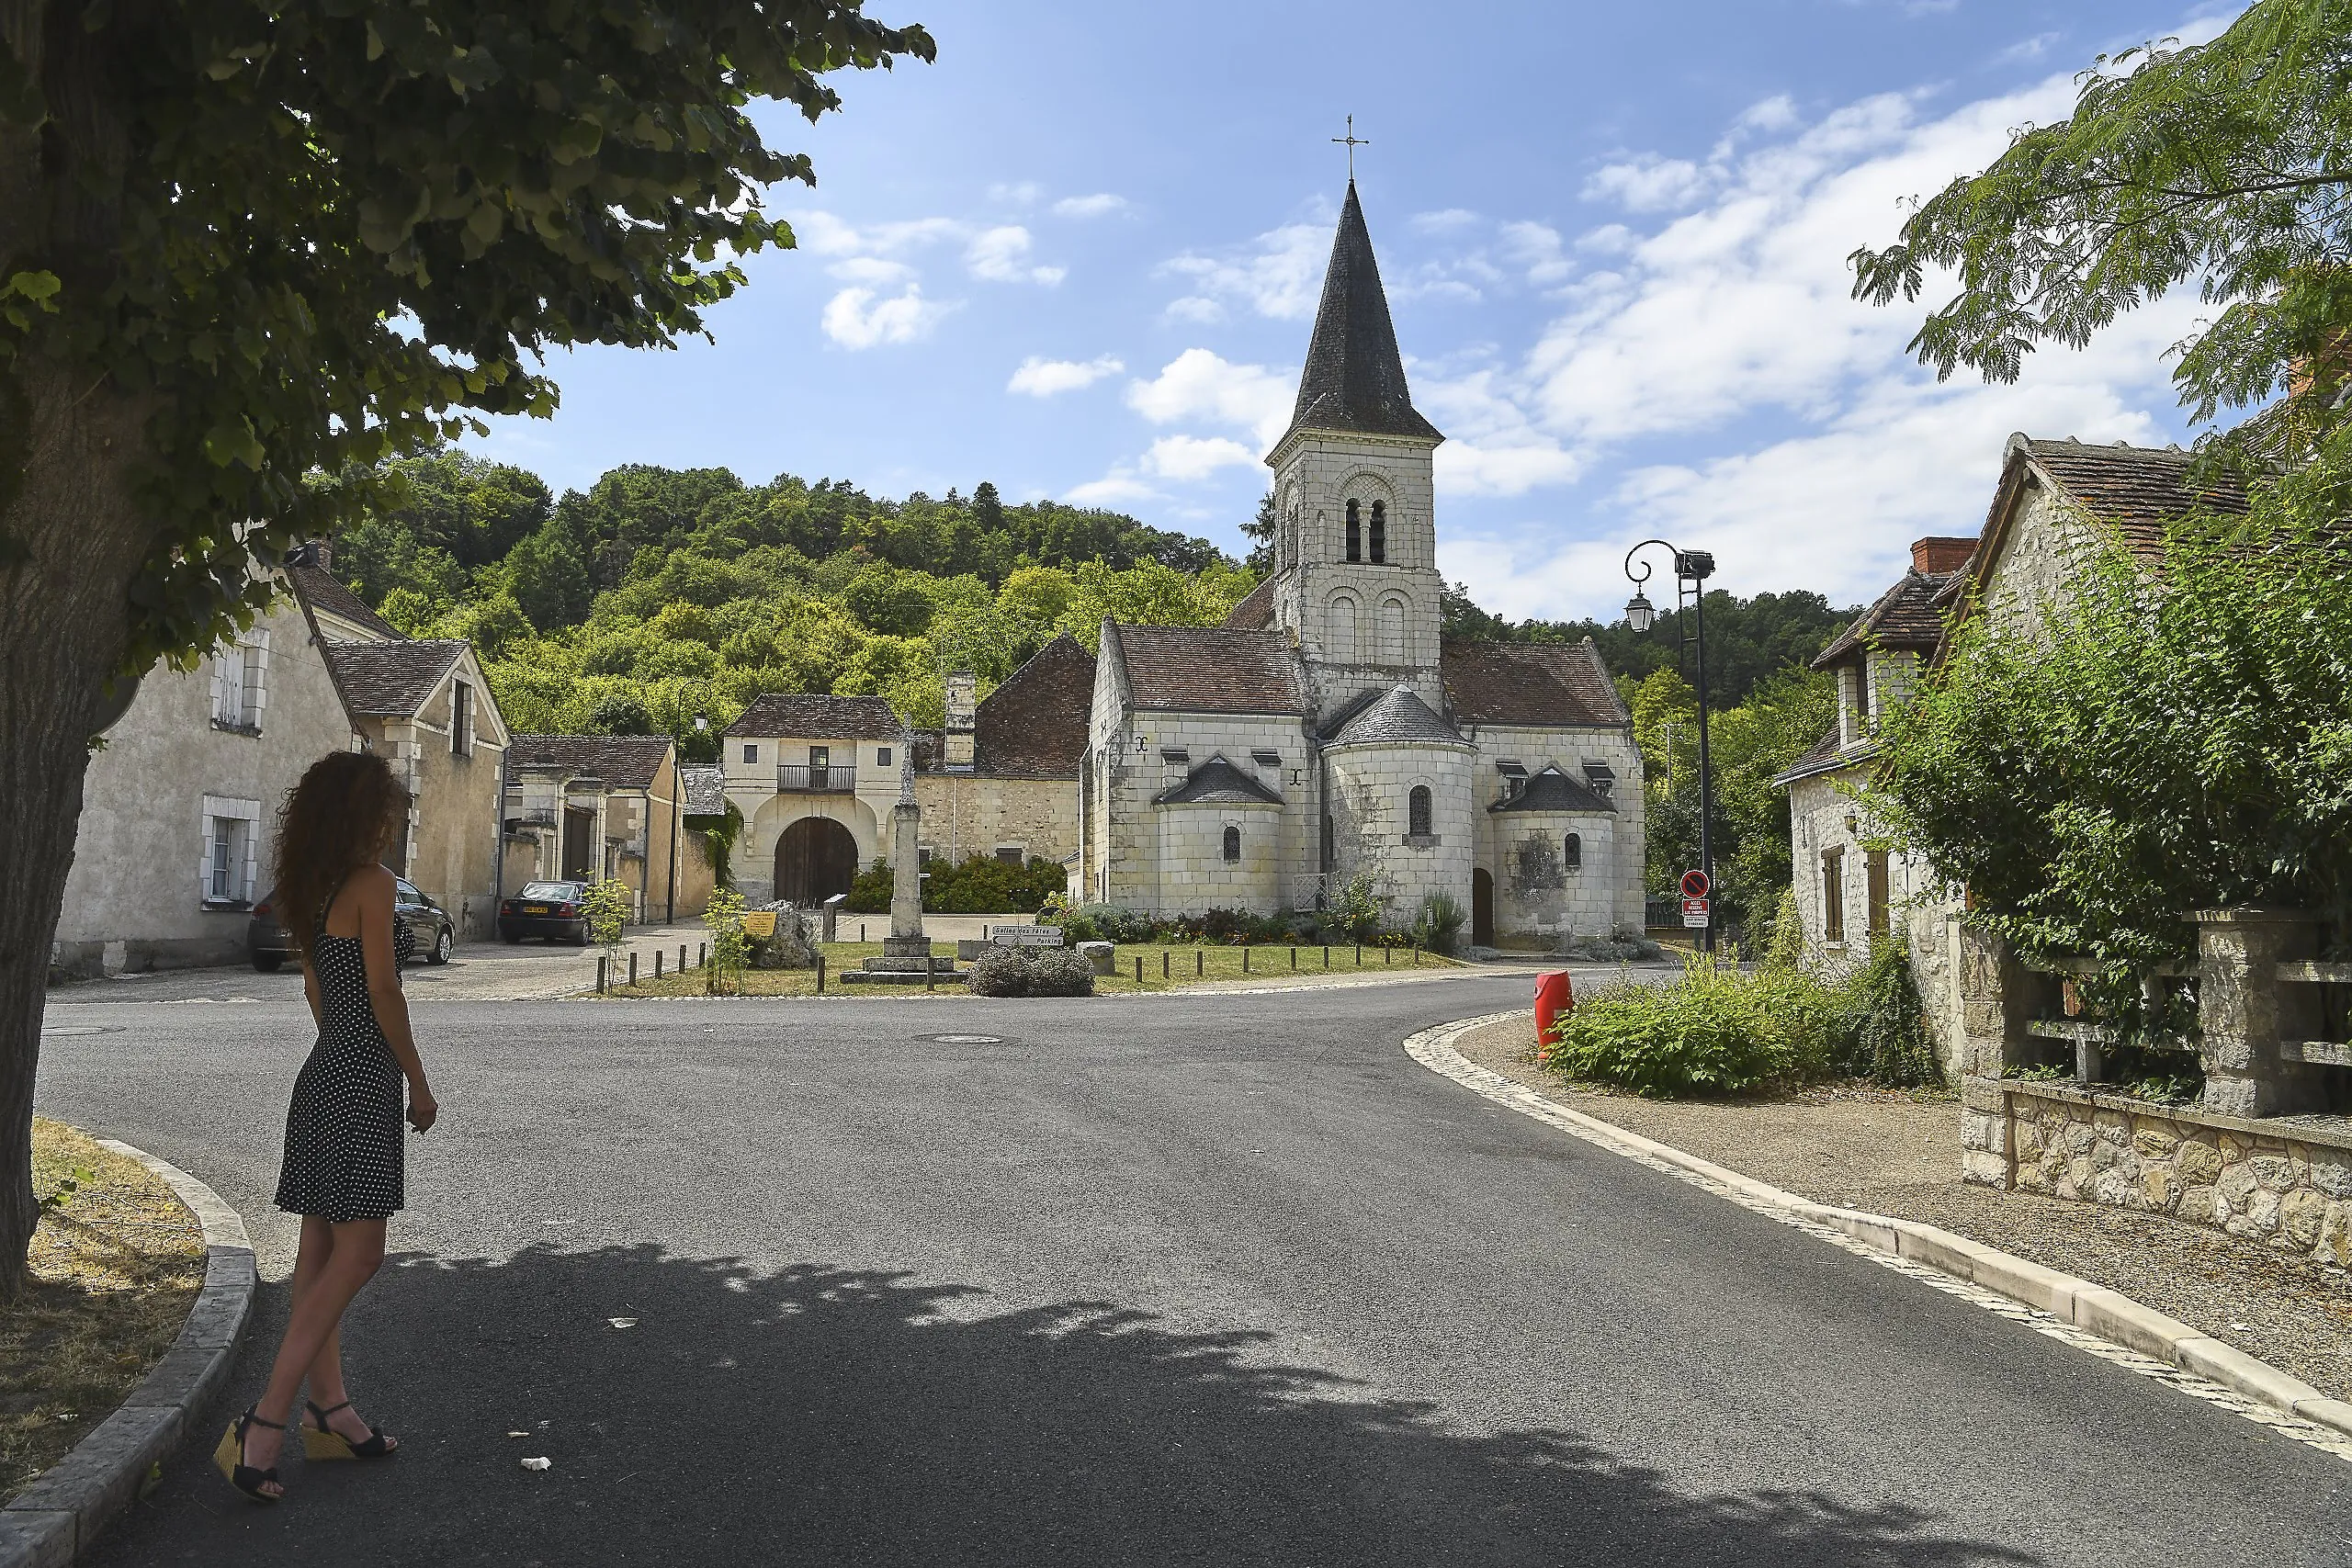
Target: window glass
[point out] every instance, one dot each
(751, 753)
(1572, 852)
(1233, 843)
(1355, 534)
(1379, 531)
(558, 891)
(882, 756)
(1416, 812)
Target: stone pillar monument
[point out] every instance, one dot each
(906, 939)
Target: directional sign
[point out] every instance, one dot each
(1694, 913)
(1696, 886)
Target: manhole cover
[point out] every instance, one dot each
(965, 1039)
(81, 1028)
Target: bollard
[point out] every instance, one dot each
(1327, 958)
(861, 931)
(1388, 953)
(927, 970)
(1138, 968)
(658, 956)
(1245, 961)
(682, 958)
(600, 974)
(1359, 956)
(1164, 966)
(632, 967)
(1416, 955)
(1198, 955)
(1294, 961)
(702, 954)
(821, 974)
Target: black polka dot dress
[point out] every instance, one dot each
(343, 1130)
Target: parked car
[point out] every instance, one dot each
(432, 935)
(555, 911)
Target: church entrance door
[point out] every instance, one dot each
(814, 860)
(1482, 909)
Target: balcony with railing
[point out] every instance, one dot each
(800, 778)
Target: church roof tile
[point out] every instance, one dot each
(1396, 719)
(1530, 683)
(1213, 669)
(1354, 379)
(1217, 782)
(1552, 790)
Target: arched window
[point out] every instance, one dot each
(1233, 843)
(1355, 534)
(1416, 812)
(1342, 639)
(1379, 531)
(1392, 631)
(1572, 852)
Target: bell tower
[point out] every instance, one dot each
(1355, 550)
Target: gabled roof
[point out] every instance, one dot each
(619, 762)
(1217, 782)
(1553, 790)
(1354, 379)
(389, 680)
(1397, 717)
(1825, 755)
(704, 785)
(1211, 669)
(798, 714)
(1256, 611)
(2138, 490)
(325, 594)
(1532, 683)
(1036, 724)
(1908, 617)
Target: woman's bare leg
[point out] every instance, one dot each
(342, 1260)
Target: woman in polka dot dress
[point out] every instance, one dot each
(342, 1165)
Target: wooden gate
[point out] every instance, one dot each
(816, 857)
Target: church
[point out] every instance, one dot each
(1326, 733)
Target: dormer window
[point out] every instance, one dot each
(1853, 710)
(1355, 532)
(1379, 532)
(1601, 777)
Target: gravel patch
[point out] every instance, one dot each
(1898, 1154)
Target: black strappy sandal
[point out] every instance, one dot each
(230, 1455)
(324, 1441)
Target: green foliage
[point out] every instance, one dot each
(1439, 925)
(981, 885)
(1029, 971)
(2175, 735)
(1355, 909)
(607, 908)
(618, 713)
(722, 836)
(67, 1186)
(303, 238)
(1892, 1044)
(1750, 642)
(730, 952)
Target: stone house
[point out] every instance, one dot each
(816, 778)
(604, 807)
(180, 802)
(1002, 777)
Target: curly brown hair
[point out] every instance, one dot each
(343, 815)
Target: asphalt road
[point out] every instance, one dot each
(1215, 1279)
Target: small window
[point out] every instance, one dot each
(1355, 534)
(820, 756)
(1009, 853)
(1572, 852)
(1833, 894)
(1417, 807)
(1266, 757)
(751, 752)
(461, 719)
(882, 756)
(1233, 843)
(1379, 532)
(923, 857)
(228, 860)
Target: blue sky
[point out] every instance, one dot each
(1079, 256)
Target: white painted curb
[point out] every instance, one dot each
(58, 1516)
(2095, 1309)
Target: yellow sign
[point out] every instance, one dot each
(759, 922)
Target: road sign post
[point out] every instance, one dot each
(1698, 901)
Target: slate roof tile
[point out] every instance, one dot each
(1399, 717)
(389, 680)
(818, 716)
(325, 591)
(1217, 782)
(1552, 790)
(1534, 683)
(1213, 669)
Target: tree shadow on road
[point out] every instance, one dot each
(833, 1415)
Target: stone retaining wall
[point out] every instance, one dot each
(2288, 1184)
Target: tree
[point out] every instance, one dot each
(243, 244)
(1261, 530)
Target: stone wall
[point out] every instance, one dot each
(1194, 874)
(2285, 1184)
(1371, 789)
(968, 814)
(1618, 878)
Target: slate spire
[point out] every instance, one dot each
(1354, 379)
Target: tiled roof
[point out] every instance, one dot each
(1908, 616)
(389, 680)
(1553, 790)
(1824, 756)
(2136, 489)
(704, 785)
(1036, 724)
(1354, 379)
(1397, 718)
(1211, 669)
(1256, 611)
(1217, 782)
(620, 761)
(325, 593)
(797, 714)
(1530, 683)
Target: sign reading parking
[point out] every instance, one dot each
(1694, 914)
(1695, 885)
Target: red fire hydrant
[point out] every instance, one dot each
(1554, 1000)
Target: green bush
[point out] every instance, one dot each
(981, 885)
(1029, 971)
(1441, 923)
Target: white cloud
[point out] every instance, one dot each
(1042, 378)
(1119, 487)
(826, 235)
(856, 318)
(1199, 384)
(1452, 220)
(1100, 205)
(1185, 458)
(1647, 183)
(1001, 255)
(1017, 193)
(1191, 308)
(871, 270)
(1281, 275)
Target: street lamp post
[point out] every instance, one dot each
(1691, 569)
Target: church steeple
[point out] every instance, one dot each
(1354, 380)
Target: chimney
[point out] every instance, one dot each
(963, 692)
(1937, 557)
(318, 553)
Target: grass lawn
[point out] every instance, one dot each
(1165, 968)
(114, 1270)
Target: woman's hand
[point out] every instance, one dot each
(422, 1107)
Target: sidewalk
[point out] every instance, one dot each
(1897, 1154)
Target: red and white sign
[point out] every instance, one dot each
(1694, 913)
(1696, 886)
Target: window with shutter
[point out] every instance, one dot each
(461, 719)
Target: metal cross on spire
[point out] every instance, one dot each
(1352, 141)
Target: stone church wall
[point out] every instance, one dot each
(1536, 892)
(1614, 881)
(1131, 830)
(1194, 875)
(968, 814)
(1371, 789)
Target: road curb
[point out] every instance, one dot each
(58, 1516)
(2095, 1309)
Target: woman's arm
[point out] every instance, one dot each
(373, 887)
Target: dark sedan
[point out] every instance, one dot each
(555, 911)
(432, 935)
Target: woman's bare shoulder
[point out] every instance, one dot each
(372, 883)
